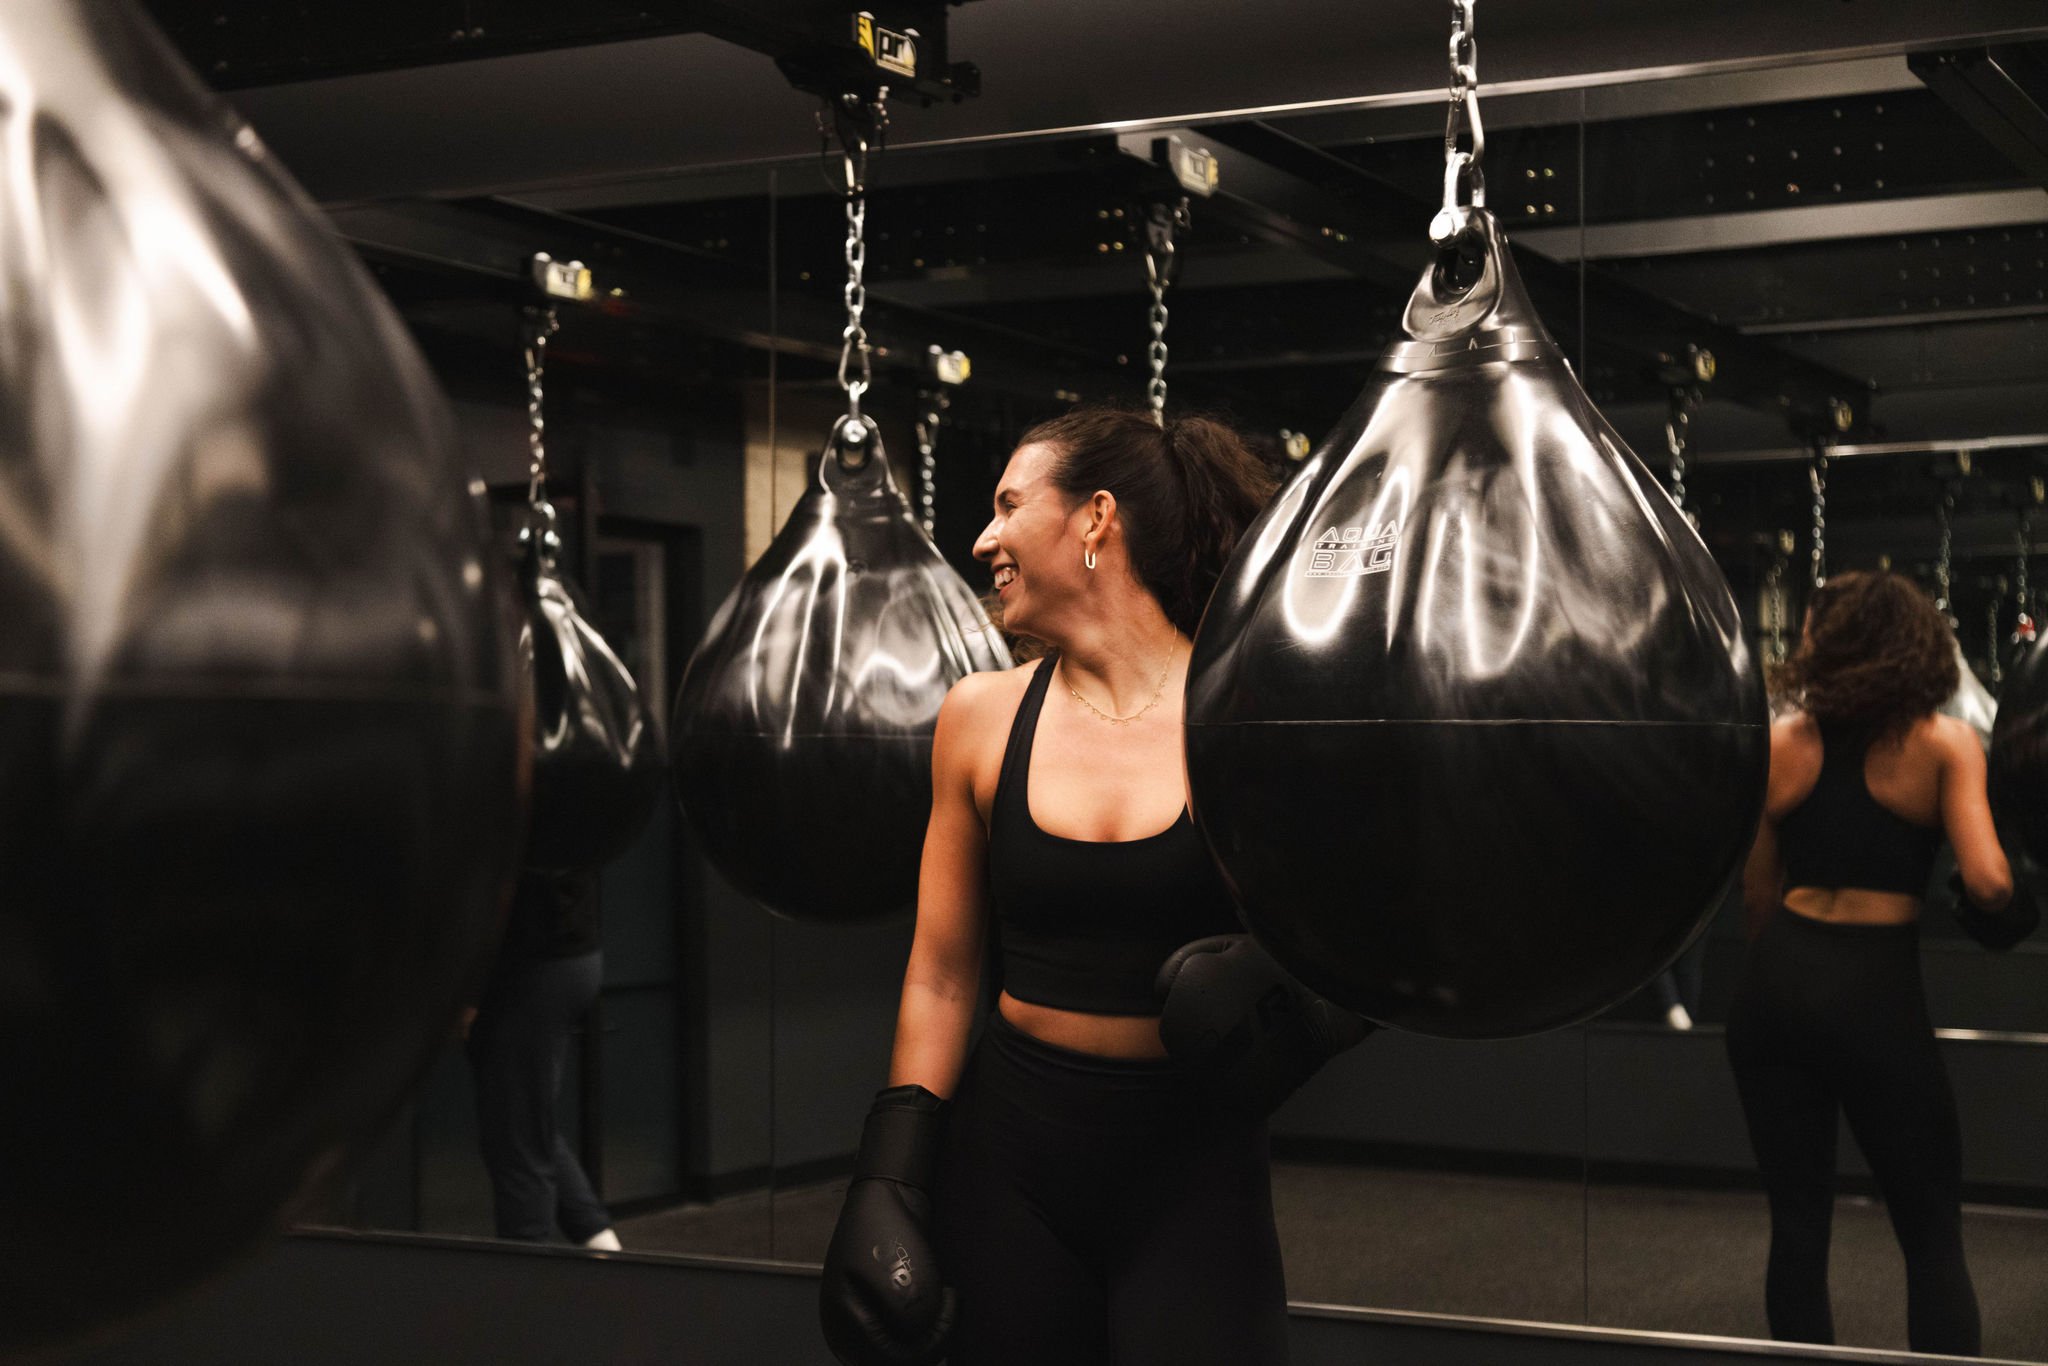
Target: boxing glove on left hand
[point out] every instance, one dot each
(882, 1302)
(1250, 1033)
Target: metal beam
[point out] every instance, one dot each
(1276, 187)
(1780, 227)
(243, 43)
(2034, 441)
(662, 283)
(2002, 92)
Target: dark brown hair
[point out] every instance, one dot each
(1185, 492)
(1876, 654)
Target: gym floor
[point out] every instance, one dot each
(1643, 1257)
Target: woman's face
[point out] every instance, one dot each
(1033, 543)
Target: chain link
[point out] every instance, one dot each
(936, 402)
(1684, 402)
(1996, 646)
(1817, 474)
(1944, 556)
(541, 324)
(1462, 166)
(1161, 262)
(1774, 612)
(860, 126)
(2023, 629)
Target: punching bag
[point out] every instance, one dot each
(1471, 726)
(802, 735)
(596, 759)
(262, 726)
(1972, 703)
(2019, 754)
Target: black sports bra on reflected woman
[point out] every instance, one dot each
(1841, 836)
(1084, 925)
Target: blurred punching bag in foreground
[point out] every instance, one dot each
(802, 735)
(1471, 725)
(261, 722)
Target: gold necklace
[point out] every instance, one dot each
(1157, 693)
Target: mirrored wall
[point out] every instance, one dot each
(1864, 273)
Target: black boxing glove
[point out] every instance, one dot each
(882, 1302)
(1249, 1033)
(1999, 930)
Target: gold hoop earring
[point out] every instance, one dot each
(1088, 557)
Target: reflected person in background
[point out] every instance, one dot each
(1831, 1018)
(543, 981)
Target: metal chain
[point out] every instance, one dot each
(1684, 401)
(1167, 221)
(1991, 620)
(2023, 629)
(859, 127)
(1460, 165)
(936, 402)
(1774, 612)
(1817, 474)
(542, 323)
(1944, 556)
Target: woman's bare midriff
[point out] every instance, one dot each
(1105, 1036)
(1854, 905)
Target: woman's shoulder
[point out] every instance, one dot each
(1944, 736)
(988, 694)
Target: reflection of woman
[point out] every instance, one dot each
(1088, 1203)
(1830, 1018)
(543, 981)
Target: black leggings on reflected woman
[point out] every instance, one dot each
(1831, 1021)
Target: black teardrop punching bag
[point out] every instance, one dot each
(596, 758)
(2019, 754)
(262, 726)
(1471, 726)
(802, 735)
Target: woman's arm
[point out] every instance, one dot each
(942, 984)
(1966, 817)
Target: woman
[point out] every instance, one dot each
(1090, 1205)
(1865, 781)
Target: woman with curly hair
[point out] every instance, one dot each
(1831, 1018)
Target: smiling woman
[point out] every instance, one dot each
(1056, 1200)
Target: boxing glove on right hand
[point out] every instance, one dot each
(1999, 930)
(1249, 1033)
(882, 1302)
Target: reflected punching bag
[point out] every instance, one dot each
(802, 734)
(596, 758)
(1972, 703)
(2019, 754)
(262, 752)
(1471, 725)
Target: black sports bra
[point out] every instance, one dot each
(1841, 836)
(1084, 925)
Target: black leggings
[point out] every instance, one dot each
(1832, 1019)
(1091, 1210)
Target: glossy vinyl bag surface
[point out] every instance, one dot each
(1471, 725)
(597, 758)
(802, 733)
(1972, 703)
(2019, 754)
(262, 727)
